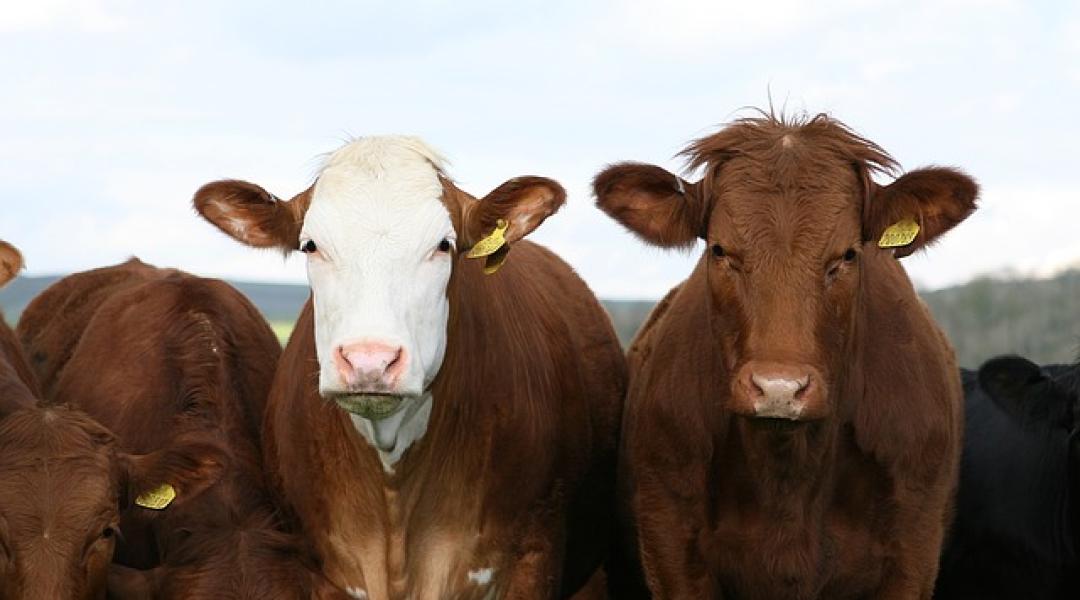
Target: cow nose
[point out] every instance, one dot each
(369, 366)
(778, 390)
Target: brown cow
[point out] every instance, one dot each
(439, 432)
(793, 423)
(158, 355)
(64, 483)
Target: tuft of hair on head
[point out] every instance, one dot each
(765, 131)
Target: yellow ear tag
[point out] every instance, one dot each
(491, 243)
(496, 260)
(899, 234)
(158, 498)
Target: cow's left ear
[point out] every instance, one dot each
(11, 262)
(175, 474)
(522, 203)
(935, 199)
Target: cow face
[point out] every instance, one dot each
(789, 215)
(63, 486)
(382, 229)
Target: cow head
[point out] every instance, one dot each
(382, 228)
(789, 215)
(63, 486)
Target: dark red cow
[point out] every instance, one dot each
(160, 357)
(793, 422)
(64, 483)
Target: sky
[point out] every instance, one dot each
(112, 114)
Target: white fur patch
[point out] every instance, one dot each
(481, 576)
(377, 217)
(392, 436)
(356, 592)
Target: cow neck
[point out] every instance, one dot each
(788, 468)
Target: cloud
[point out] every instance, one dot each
(90, 16)
(106, 137)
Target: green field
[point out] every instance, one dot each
(282, 329)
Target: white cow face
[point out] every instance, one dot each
(379, 242)
(382, 228)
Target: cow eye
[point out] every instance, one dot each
(108, 533)
(850, 255)
(718, 251)
(309, 247)
(445, 245)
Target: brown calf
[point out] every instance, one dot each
(159, 356)
(504, 488)
(793, 423)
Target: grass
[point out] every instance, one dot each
(282, 329)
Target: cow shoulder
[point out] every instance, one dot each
(641, 345)
(672, 381)
(908, 397)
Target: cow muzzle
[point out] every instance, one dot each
(774, 390)
(373, 407)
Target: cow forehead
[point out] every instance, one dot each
(60, 496)
(384, 171)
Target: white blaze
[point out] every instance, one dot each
(377, 219)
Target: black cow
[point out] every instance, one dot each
(1017, 528)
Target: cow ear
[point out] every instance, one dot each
(11, 262)
(936, 199)
(522, 203)
(1023, 391)
(658, 206)
(251, 215)
(173, 475)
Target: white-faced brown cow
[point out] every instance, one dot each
(439, 432)
(793, 422)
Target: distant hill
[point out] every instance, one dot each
(1038, 318)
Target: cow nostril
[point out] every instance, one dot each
(804, 385)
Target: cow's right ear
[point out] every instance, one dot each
(11, 262)
(658, 206)
(251, 215)
(1024, 392)
(173, 475)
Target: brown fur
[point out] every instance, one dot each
(516, 469)
(160, 357)
(64, 487)
(60, 493)
(852, 501)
